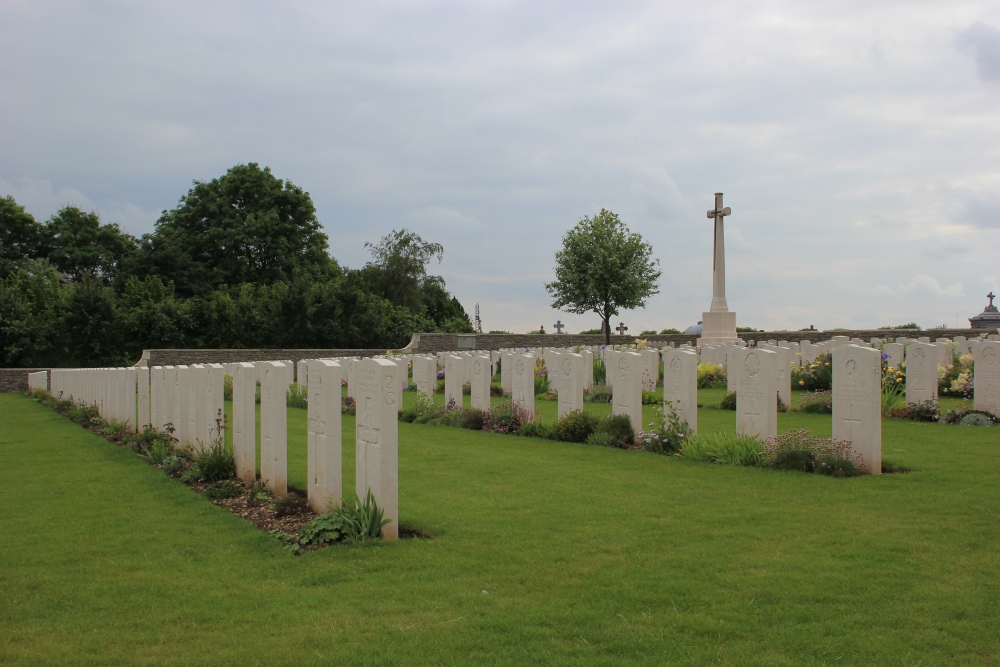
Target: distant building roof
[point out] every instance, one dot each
(693, 330)
(989, 318)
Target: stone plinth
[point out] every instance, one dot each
(717, 328)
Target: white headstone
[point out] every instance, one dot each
(626, 398)
(680, 385)
(650, 373)
(987, 377)
(377, 438)
(857, 403)
(425, 375)
(480, 383)
(921, 373)
(894, 354)
(275, 378)
(245, 421)
(570, 385)
(756, 392)
(523, 382)
(454, 367)
(324, 436)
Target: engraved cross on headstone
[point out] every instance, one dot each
(558, 326)
(621, 328)
(852, 421)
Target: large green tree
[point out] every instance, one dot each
(244, 227)
(603, 267)
(20, 236)
(82, 248)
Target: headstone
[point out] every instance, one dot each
(650, 369)
(425, 375)
(784, 377)
(480, 391)
(756, 392)
(453, 373)
(324, 436)
(588, 369)
(626, 399)
(351, 367)
(377, 438)
(215, 398)
(894, 354)
(129, 378)
(143, 397)
(680, 385)
(523, 383)
(570, 385)
(198, 418)
(245, 421)
(182, 384)
(731, 376)
(987, 377)
(857, 403)
(921, 373)
(275, 378)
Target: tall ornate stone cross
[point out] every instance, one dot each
(621, 328)
(991, 296)
(719, 256)
(558, 326)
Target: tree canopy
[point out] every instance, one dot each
(244, 227)
(603, 267)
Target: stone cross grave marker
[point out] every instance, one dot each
(558, 326)
(621, 328)
(857, 403)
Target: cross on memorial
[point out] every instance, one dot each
(717, 215)
(621, 328)
(558, 326)
(991, 296)
(852, 421)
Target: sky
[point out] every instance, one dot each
(857, 143)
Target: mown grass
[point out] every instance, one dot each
(548, 553)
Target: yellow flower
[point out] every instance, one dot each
(891, 369)
(898, 380)
(802, 382)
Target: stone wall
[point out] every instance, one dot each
(177, 357)
(13, 379)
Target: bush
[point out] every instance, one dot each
(726, 447)
(817, 402)
(505, 417)
(422, 411)
(348, 405)
(711, 376)
(601, 439)
(598, 393)
(224, 489)
(976, 419)
(957, 416)
(798, 450)
(534, 429)
(926, 411)
(298, 396)
(215, 461)
(600, 372)
(361, 523)
(729, 402)
(667, 432)
(575, 426)
(496, 389)
(619, 430)
(815, 376)
(893, 396)
(652, 398)
(473, 419)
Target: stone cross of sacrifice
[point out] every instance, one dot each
(558, 326)
(621, 328)
(719, 257)
(991, 296)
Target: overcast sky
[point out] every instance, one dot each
(858, 143)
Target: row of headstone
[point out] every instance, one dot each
(38, 380)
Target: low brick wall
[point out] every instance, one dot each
(14, 379)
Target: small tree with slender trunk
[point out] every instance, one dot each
(603, 267)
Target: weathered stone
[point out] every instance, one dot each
(143, 405)
(425, 375)
(987, 373)
(480, 383)
(650, 372)
(756, 392)
(377, 438)
(680, 385)
(275, 378)
(857, 403)
(921, 372)
(626, 398)
(454, 367)
(570, 385)
(523, 383)
(245, 421)
(324, 436)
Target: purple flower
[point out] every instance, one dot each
(884, 356)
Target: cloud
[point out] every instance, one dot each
(982, 43)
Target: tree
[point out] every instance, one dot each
(20, 236)
(603, 267)
(84, 249)
(399, 266)
(245, 227)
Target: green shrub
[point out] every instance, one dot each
(505, 417)
(893, 397)
(348, 405)
(598, 393)
(670, 331)
(541, 383)
(666, 434)
(224, 489)
(257, 492)
(927, 411)
(534, 429)
(619, 430)
(601, 439)
(976, 419)
(600, 372)
(729, 401)
(711, 376)
(575, 426)
(652, 398)
(726, 447)
(814, 376)
(175, 463)
(472, 419)
(157, 451)
(496, 389)
(798, 450)
(298, 396)
(957, 416)
(817, 402)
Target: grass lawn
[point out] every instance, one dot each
(548, 553)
